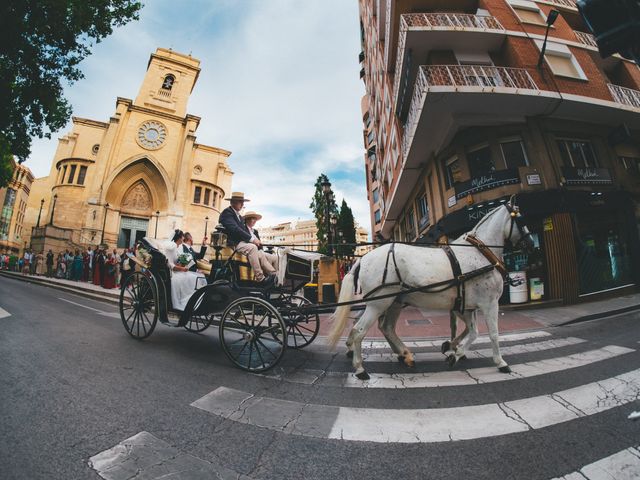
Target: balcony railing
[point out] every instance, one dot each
(449, 20)
(460, 76)
(563, 3)
(586, 39)
(454, 21)
(624, 95)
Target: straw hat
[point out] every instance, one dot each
(238, 196)
(248, 215)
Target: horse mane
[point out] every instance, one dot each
(485, 218)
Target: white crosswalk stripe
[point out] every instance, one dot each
(624, 465)
(4, 313)
(482, 339)
(472, 376)
(422, 425)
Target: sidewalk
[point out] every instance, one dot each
(413, 323)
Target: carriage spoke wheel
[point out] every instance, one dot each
(253, 334)
(302, 324)
(139, 305)
(199, 320)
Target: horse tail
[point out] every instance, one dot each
(341, 314)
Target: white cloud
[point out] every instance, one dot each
(278, 76)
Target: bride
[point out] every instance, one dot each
(183, 282)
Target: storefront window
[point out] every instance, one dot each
(453, 172)
(480, 162)
(513, 153)
(604, 259)
(577, 153)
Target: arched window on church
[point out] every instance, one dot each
(168, 82)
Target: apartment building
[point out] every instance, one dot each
(462, 111)
(14, 198)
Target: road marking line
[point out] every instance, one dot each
(150, 457)
(422, 425)
(389, 357)
(450, 378)
(101, 312)
(508, 337)
(4, 313)
(624, 465)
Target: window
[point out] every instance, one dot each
(215, 199)
(410, 225)
(528, 12)
(197, 194)
(577, 153)
(95, 149)
(480, 161)
(452, 172)
(561, 61)
(423, 211)
(376, 195)
(207, 195)
(377, 216)
(513, 153)
(81, 175)
(72, 173)
(167, 84)
(64, 174)
(631, 164)
(370, 137)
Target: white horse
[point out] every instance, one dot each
(416, 266)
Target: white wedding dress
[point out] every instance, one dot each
(183, 284)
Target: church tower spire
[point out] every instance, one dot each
(169, 81)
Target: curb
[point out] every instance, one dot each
(596, 316)
(103, 297)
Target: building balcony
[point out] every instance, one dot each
(586, 39)
(421, 33)
(568, 4)
(625, 96)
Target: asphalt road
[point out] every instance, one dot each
(73, 384)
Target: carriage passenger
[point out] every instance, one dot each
(183, 281)
(239, 235)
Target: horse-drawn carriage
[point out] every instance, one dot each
(256, 324)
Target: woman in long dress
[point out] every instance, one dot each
(183, 282)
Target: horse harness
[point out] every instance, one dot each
(459, 278)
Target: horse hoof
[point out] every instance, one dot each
(363, 375)
(505, 369)
(409, 363)
(446, 346)
(452, 360)
(400, 358)
(349, 353)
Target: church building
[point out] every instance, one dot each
(141, 173)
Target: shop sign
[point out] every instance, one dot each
(586, 176)
(488, 181)
(534, 179)
(452, 201)
(547, 224)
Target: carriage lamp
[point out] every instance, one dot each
(218, 240)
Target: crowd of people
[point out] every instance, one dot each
(98, 265)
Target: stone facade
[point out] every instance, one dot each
(13, 202)
(142, 173)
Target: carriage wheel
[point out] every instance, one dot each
(139, 305)
(302, 324)
(199, 320)
(253, 334)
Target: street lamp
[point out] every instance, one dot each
(53, 208)
(155, 235)
(40, 213)
(104, 222)
(326, 190)
(206, 223)
(551, 18)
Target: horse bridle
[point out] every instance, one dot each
(518, 220)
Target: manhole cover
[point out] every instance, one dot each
(419, 321)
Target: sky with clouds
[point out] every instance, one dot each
(279, 87)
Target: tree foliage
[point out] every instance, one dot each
(318, 206)
(41, 44)
(346, 225)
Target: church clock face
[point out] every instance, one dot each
(151, 135)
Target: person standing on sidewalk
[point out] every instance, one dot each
(50, 263)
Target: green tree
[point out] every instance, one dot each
(318, 206)
(346, 225)
(41, 44)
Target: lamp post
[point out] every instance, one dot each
(155, 235)
(551, 18)
(40, 213)
(104, 222)
(53, 208)
(326, 190)
(206, 223)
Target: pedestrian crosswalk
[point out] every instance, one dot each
(557, 383)
(4, 313)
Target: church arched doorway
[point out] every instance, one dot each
(135, 213)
